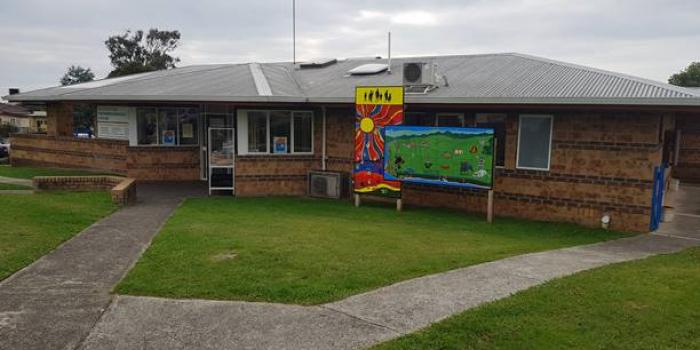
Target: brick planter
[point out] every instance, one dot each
(123, 190)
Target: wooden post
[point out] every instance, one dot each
(357, 200)
(399, 205)
(489, 208)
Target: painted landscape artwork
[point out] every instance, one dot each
(439, 155)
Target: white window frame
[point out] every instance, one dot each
(242, 127)
(133, 135)
(551, 132)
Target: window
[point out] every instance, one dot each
(418, 119)
(433, 119)
(280, 131)
(167, 126)
(534, 141)
(497, 122)
(257, 132)
(275, 132)
(303, 128)
(450, 119)
(147, 128)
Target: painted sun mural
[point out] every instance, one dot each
(375, 108)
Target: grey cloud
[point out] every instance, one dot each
(653, 39)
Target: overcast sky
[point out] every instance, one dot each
(651, 39)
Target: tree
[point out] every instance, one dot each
(690, 76)
(77, 74)
(133, 53)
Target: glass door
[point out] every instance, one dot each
(221, 159)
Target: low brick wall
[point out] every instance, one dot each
(123, 190)
(163, 163)
(69, 152)
(113, 156)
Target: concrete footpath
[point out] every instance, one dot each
(55, 302)
(366, 319)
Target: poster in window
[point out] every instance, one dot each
(187, 131)
(279, 144)
(169, 137)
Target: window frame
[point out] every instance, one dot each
(242, 139)
(551, 133)
(157, 110)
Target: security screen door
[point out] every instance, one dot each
(221, 159)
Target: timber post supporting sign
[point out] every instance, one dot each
(375, 108)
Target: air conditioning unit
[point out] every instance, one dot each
(419, 76)
(328, 184)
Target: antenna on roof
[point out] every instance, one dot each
(388, 71)
(294, 30)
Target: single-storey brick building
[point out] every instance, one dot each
(573, 143)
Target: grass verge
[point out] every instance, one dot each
(26, 172)
(307, 251)
(33, 225)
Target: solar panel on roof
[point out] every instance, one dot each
(318, 63)
(369, 68)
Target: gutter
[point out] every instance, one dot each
(418, 99)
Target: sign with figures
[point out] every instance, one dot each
(376, 107)
(443, 156)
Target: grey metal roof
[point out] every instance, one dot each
(491, 78)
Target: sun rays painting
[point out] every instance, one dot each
(375, 108)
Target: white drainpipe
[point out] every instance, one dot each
(323, 138)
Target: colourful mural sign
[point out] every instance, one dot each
(439, 155)
(375, 108)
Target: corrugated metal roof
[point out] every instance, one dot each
(490, 78)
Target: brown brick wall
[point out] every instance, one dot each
(141, 163)
(69, 152)
(688, 167)
(163, 163)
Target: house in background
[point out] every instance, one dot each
(25, 120)
(574, 143)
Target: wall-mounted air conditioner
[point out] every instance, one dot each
(324, 184)
(419, 77)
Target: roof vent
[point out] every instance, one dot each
(369, 68)
(318, 63)
(419, 77)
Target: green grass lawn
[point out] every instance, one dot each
(4, 187)
(648, 304)
(26, 172)
(308, 251)
(32, 225)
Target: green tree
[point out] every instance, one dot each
(77, 74)
(132, 52)
(690, 76)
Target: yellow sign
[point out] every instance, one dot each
(379, 95)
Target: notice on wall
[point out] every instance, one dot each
(113, 122)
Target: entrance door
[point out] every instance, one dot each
(221, 159)
(214, 118)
